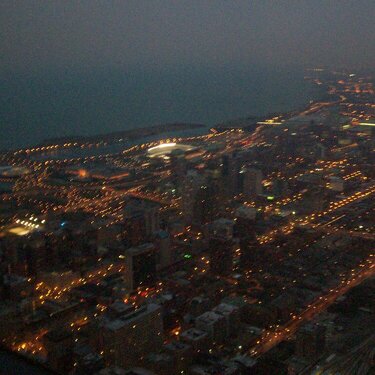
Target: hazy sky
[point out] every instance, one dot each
(40, 34)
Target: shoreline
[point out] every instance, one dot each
(132, 135)
(274, 96)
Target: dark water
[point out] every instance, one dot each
(34, 107)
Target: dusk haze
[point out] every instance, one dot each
(187, 187)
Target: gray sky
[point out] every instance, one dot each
(39, 34)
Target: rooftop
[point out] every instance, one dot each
(165, 149)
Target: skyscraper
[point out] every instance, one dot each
(252, 183)
(140, 264)
(210, 199)
(193, 182)
(164, 249)
(221, 246)
(128, 338)
(141, 221)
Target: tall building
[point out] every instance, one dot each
(134, 230)
(252, 183)
(191, 185)
(320, 151)
(245, 221)
(59, 346)
(221, 228)
(249, 252)
(35, 254)
(140, 263)
(244, 230)
(208, 203)
(279, 187)
(126, 339)
(141, 221)
(164, 249)
(229, 174)
(221, 246)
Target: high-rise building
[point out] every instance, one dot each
(249, 252)
(164, 249)
(252, 183)
(141, 221)
(134, 230)
(35, 252)
(320, 151)
(245, 221)
(221, 228)
(59, 346)
(229, 174)
(140, 265)
(244, 230)
(336, 184)
(126, 339)
(221, 246)
(208, 204)
(191, 184)
(279, 187)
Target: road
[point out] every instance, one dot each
(271, 338)
(317, 217)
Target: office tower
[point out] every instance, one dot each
(59, 346)
(229, 174)
(221, 246)
(244, 230)
(134, 230)
(245, 221)
(164, 249)
(252, 183)
(141, 221)
(279, 187)
(140, 263)
(192, 183)
(127, 338)
(35, 252)
(249, 252)
(209, 202)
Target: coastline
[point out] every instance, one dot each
(73, 107)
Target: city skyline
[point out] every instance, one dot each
(187, 187)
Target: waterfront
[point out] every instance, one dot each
(42, 106)
(270, 218)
